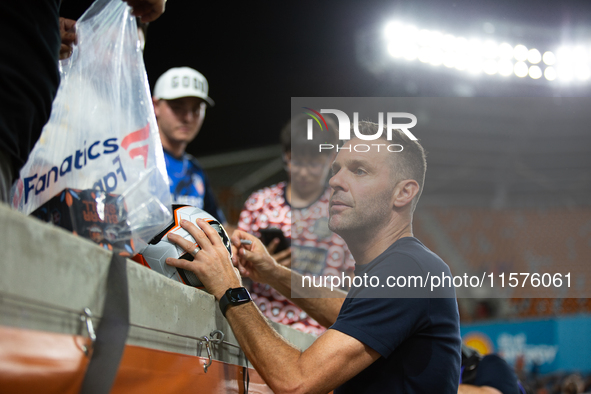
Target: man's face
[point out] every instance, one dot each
(308, 173)
(362, 190)
(179, 120)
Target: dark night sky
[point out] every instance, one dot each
(257, 55)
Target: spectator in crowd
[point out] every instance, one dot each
(35, 38)
(486, 375)
(376, 343)
(180, 99)
(573, 384)
(303, 199)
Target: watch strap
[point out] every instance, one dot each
(227, 300)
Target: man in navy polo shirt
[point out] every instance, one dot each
(390, 334)
(180, 99)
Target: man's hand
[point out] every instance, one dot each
(253, 261)
(68, 34)
(147, 10)
(212, 263)
(282, 258)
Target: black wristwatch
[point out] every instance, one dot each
(235, 296)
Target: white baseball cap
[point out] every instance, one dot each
(182, 82)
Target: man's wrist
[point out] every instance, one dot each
(234, 297)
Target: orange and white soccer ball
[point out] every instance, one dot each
(159, 248)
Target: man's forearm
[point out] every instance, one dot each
(271, 355)
(322, 304)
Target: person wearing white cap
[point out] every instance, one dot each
(180, 98)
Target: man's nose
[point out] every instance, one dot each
(336, 181)
(188, 114)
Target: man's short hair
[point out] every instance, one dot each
(295, 132)
(410, 163)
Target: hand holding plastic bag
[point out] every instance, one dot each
(102, 134)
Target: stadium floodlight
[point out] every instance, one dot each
(506, 67)
(461, 63)
(410, 33)
(534, 56)
(424, 38)
(393, 30)
(564, 56)
(550, 73)
(474, 65)
(490, 49)
(582, 72)
(580, 55)
(449, 60)
(448, 42)
(535, 72)
(520, 69)
(475, 48)
(505, 51)
(410, 51)
(395, 49)
(549, 58)
(520, 53)
(476, 55)
(565, 73)
(436, 57)
(490, 67)
(461, 45)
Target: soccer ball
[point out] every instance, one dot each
(159, 248)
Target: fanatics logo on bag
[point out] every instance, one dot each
(140, 139)
(344, 132)
(136, 144)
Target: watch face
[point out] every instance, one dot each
(239, 295)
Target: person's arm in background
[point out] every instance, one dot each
(245, 220)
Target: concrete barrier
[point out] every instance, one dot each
(48, 276)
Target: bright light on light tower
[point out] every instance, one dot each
(549, 58)
(520, 53)
(564, 56)
(393, 30)
(490, 67)
(582, 72)
(505, 67)
(550, 73)
(436, 57)
(520, 69)
(395, 49)
(565, 73)
(535, 72)
(410, 51)
(580, 55)
(475, 56)
(448, 42)
(490, 49)
(534, 56)
(505, 51)
(449, 60)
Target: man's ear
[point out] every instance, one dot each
(404, 192)
(156, 107)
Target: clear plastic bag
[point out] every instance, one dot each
(102, 135)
